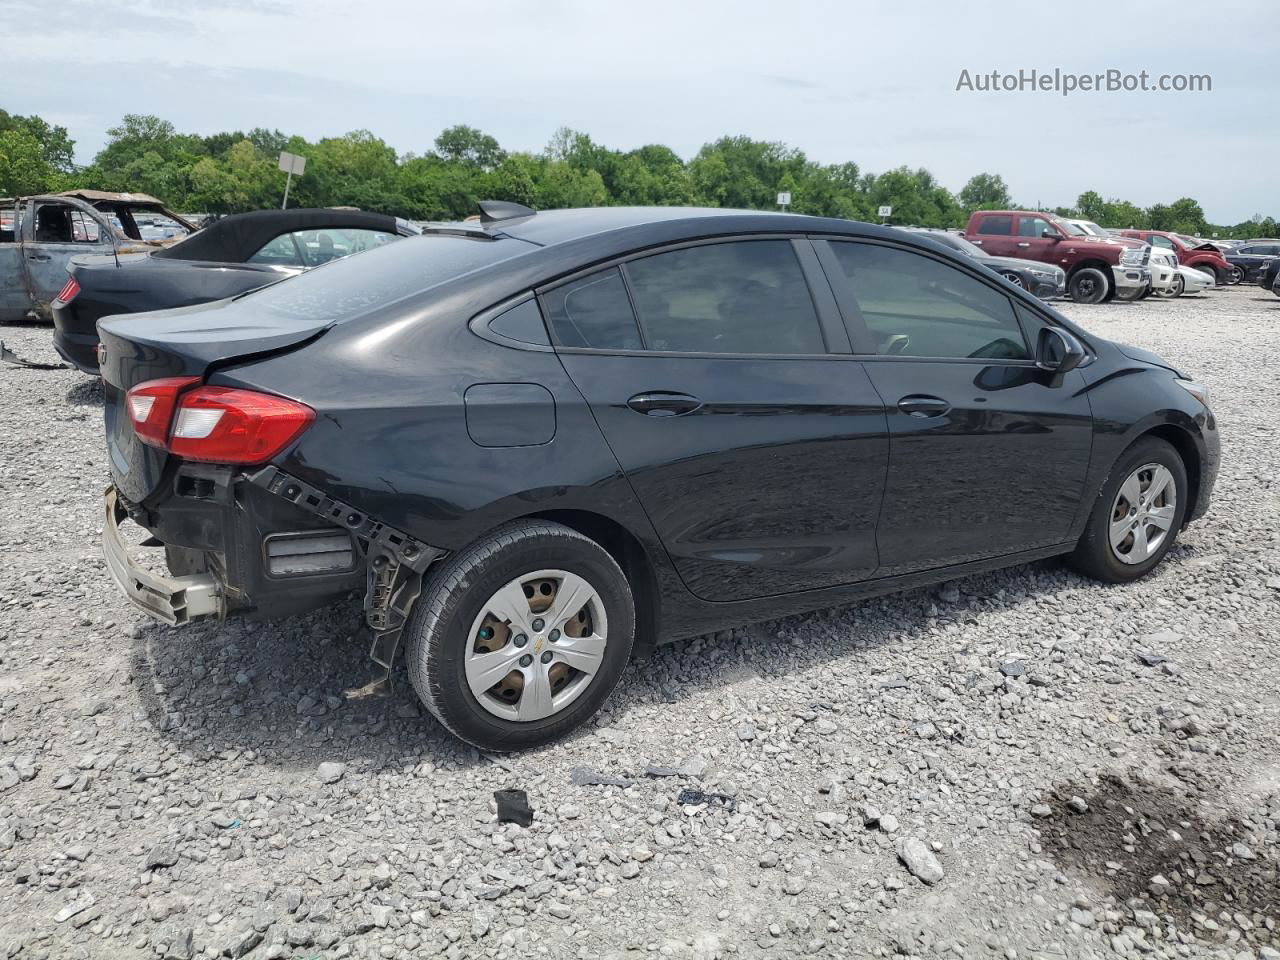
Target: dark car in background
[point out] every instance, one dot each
(229, 257)
(1269, 277)
(1249, 260)
(1042, 280)
(538, 441)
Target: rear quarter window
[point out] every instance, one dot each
(356, 285)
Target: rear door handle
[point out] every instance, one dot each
(657, 403)
(38, 256)
(921, 405)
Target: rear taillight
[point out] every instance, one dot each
(215, 424)
(68, 291)
(151, 407)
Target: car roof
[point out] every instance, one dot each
(236, 238)
(552, 227)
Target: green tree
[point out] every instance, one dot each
(24, 168)
(470, 147)
(985, 191)
(57, 149)
(1091, 206)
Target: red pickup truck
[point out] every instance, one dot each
(1205, 258)
(1098, 268)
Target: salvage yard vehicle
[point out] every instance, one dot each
(229, 257)
(1042, 280)
(1097, 268)
(542, 440)
(1203, 257)
(1248, 260)
(45, 232)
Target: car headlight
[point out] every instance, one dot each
(1131, 257)
(1041, 274)
(1197, 390)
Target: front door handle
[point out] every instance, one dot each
(921, 405)
(1023, 243)
(38, 256)
(658, 403)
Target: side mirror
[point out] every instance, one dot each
(1049, 233)
(1058, 351)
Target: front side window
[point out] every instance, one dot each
(63, 223)
(915, 306)
(1033, 227)
(1001, 226)
(593, 311)
(741, 297)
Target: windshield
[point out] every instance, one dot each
(1092, 228)
(1071, 229)
(355, 285)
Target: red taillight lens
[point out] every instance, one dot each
(151, 407)
(215, 424)
(227, 425)
(68, 291)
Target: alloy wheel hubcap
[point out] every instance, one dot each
(1142, 514)
(535, 645)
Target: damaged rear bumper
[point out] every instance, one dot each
(175, 600)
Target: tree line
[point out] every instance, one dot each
(237, 171)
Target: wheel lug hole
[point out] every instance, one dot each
(546, 656)
(553, 636)
(520, 640)
(537, 624)
(526, 660)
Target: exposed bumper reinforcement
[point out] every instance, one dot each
(175, 600)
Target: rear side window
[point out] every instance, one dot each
(593, 311)
(915, 306)
(996, 226)
(354, 286)
(740, 297)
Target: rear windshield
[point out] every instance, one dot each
(358, 284)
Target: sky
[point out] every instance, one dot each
(869, 82)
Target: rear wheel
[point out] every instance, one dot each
(1213, 273)
(1088, 285)
(1137, 515)
(520, 638)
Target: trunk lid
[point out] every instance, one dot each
(186, 342)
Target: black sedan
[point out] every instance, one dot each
(1043, 280)
(226, 258)
(1249, 260)
(1269, 277)
(538, 442)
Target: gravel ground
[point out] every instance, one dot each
(1021, 764)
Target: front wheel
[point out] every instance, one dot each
(1236, 275)
(1137, 515)
(519, 638)
(1088, 285)
(1175, 289)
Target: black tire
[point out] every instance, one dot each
(439, 628)
(1236, 275)
(1089, 285)
(1211, 271)
(1093, 555)
(1178, 288)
